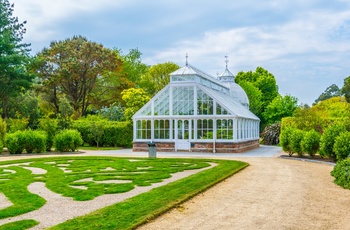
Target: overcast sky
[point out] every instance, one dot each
(303, 43)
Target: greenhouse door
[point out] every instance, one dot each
(182, 136)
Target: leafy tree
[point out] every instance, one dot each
(254, 95)
(133, 67)
(14, 56)
(113, 112)
(263, 80)
(134, 99)
(74, 67)
(27, 105)
(346, 89)
(157, 77)
(280, 107)
(331, 91)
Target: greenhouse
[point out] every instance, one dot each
(197, 112)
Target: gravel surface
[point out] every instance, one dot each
(272, 193)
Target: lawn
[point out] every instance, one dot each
(80, 178)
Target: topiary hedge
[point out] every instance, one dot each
(285, 140)
(111, 133)
(341, 146)
(328, 139)
(311, 142)
(341, 173)
(295, 141)
(68, 140)
(29, 140)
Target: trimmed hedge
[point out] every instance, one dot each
(29, 140)
(341, 146)
(295, 141)
(285, 140)
(328, 139)
(341, 173)
(68, 140)
(311, 142)
(113, 134)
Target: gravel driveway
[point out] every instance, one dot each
(272, 193)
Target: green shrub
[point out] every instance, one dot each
(328, 139)
(341, 173)
(17, 124)
(341, 146)
(311, 142)
(295, 141)
(14, 143)
(1, 147)
(271, 134)
(68, 140)
(33, 141)
(285, 138)
(50, 126)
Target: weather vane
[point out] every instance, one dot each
(186, 59)
(226, 57)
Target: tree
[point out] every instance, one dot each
(74, 67)
(14, 56)
(134, 99)
(346, 89)
(254, 96)
(331, 91)
(280, 107)
(157, 77)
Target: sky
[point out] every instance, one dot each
(303, 43)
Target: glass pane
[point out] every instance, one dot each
(204, 104)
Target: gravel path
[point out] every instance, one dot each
(272, 193)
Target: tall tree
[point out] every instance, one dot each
(346, 89)
(280, 107)
(331, 91)
(157, 77)
(14, 56)
(74, 67)
(134, 99)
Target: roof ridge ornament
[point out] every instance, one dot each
(226, 60)
(186, 59)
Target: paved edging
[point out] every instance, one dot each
(307, 160)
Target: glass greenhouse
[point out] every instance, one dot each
(197, 112)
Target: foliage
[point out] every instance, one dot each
(17, 124)
(320, 116)
(3, 129)
(33, 141)
(1, 147)
(14, 57)
(328, 139)
(66, 111)
(14, 143)
(134, 100)
(285, 140)
(341, 173)
(96, 132)
(50, 126)
(271, 134)
(331, 91)
(295, 141)
(68, 140)
(341, 146)
(254, 95)
(346, 89)
(280, 107)
(74, 67)
(157, 77)
(311, 142)
(113, 133)
(112, 113)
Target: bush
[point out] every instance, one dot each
(68, 140)
(1, 147)
(271, 134)
(33, 141)
(341, 146)
(311, 142)
(328, 139)
(13, 143)
(341, 173)
(50, 126)
(285, 140)
(3, 128)
(295, 139)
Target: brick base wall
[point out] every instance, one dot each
(200, 147)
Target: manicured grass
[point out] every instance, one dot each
(19, 225)
(64, 175)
